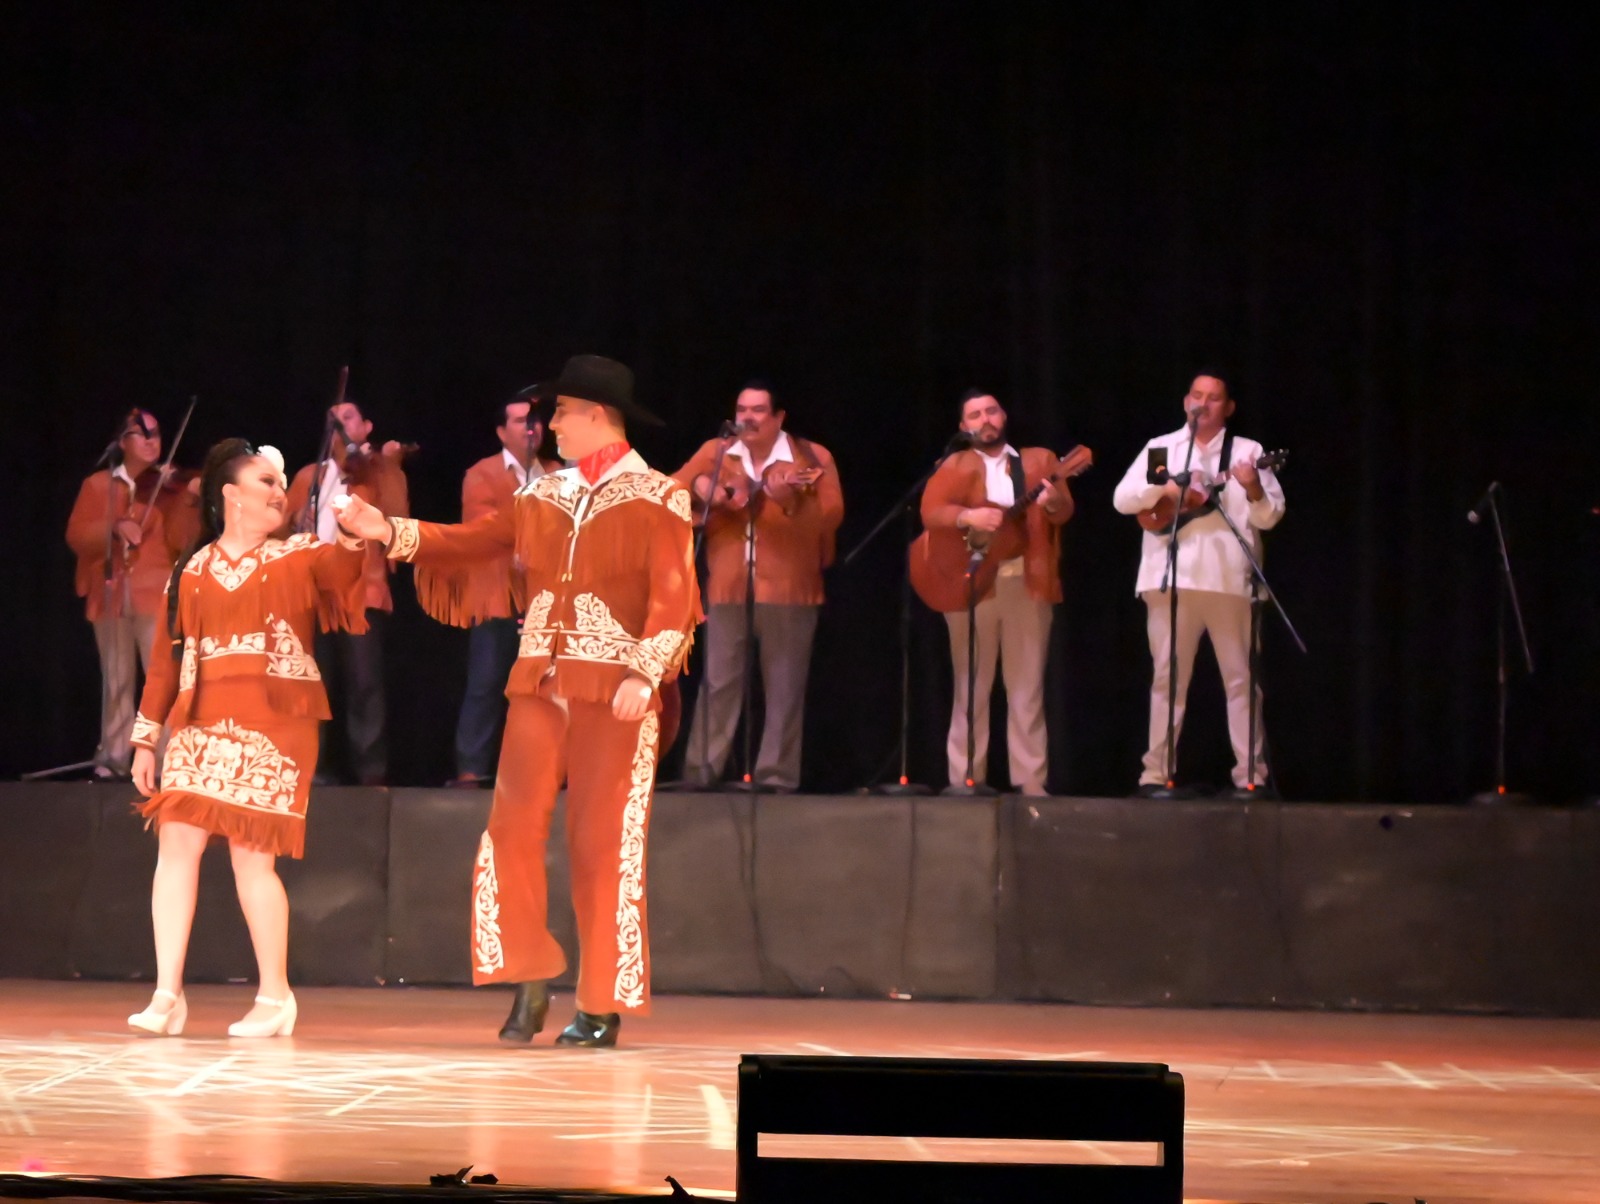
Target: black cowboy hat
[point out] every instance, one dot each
(606, 382)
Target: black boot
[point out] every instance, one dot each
(591, 1030)
(527, 1013)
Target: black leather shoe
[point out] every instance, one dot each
(527, 1013)
(1249, 794)
(591, 1031)
(684, 786)
(1160, 790)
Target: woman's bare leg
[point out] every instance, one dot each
(172, 898)
(266, 912)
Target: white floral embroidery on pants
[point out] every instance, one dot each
(630, 986)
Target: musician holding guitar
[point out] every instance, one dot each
(351, 465)
(1011, 504)
(1231, 473)
(771, 513)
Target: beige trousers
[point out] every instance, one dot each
(124, 643)
(1226, 619)
(1013, 628)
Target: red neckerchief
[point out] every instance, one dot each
(597, 463)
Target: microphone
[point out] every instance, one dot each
(1475, 515)
(728, 429)
(962, 439)
(1194, 413)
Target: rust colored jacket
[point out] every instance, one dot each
(246, 628)
(962, 484)
(793, 545)
(488, 589)
(138, 574)
(384, 485)
(608, 572)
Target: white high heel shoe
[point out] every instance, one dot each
(162, 1024)
(281, 1025)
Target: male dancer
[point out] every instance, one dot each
(607, 565)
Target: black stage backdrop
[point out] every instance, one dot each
(1378, 218)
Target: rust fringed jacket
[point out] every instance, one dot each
(486, 589)
(793, 545)
(383, 484)
(606, 576)
(960, 484)
(247, 630)
(104, 499)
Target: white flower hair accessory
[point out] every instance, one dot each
(273, 457)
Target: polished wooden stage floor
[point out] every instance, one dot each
(394, 1085)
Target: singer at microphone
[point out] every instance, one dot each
(772, 505)
(1201, 580)
(1475, 515)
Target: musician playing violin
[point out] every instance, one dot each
(129, 525)
(1214, 578)
(774, 504)
(352, 465)
(972, 492)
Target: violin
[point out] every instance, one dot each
(153, 483)
(363, 462)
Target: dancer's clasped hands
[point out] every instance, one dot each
(362, 519)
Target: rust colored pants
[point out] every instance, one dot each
(609, 767)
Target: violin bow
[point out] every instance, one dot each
(306, 519)
(166, 465)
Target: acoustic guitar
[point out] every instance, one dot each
(1158, 519)
(939, 558)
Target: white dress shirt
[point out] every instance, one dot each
(781, 451)
(332, 486)
(516, 466)
(997, 483)
(1209, 557)
(1001, 490)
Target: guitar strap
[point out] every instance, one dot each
(1019, 481)
(806, 454)
(1211, 501)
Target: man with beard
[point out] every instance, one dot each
(971, 492)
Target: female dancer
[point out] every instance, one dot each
(231, 674)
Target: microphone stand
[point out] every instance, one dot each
(1169, 582)
(747, 780)
(902, 506)
(1259, 587)
(725, 437)
(108, 593)
(1507, 590)
(970, 787)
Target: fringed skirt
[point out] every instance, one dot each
(249, 784)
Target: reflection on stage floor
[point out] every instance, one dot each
(394, 1085)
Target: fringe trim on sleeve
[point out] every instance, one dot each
(464, 595)
(344, 609)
